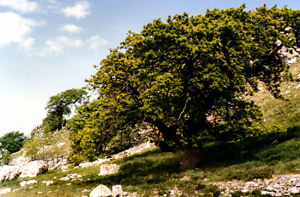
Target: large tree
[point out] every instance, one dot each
(59, 106)
(191, 76)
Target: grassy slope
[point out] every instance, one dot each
(156, 173)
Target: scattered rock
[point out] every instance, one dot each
(117, 191)
(15, 190)
(175, 192)
(64, 179)
(25, 183)
(48, 183)
(4, 191)
(57, 163)
(72, 177)
(100, 191)
(34, 168)
(294, 190)
(281, 185)
(94, 163)
(106, 169)
(64, 168)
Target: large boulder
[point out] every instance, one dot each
(106, 169)
(100, 191)
(9, 173)
(34, 168)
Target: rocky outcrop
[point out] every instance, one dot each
(106, 169)
(123, 154)
(101, 191)
(34, 168)
(57, 163)
(8, 173)
(30, 169)
(19, 161)
(133, 150)
(281, 185)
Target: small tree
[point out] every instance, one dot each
(59, 106)
(5, 157)
(12, 141)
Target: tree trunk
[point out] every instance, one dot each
(170, 142)
(191, 157)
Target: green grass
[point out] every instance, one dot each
(284, 113)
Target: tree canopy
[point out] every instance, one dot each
(191, 76)
(59, 106)
(12, 141)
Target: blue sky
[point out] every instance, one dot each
(48, 46)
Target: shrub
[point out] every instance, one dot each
(5, 157)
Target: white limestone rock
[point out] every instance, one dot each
(9, 173)
(4, 191)
(106, 169)
(25, 183)
(117, 191)
(34, 168)
(48, 183)
(19, 161)
(100, 191)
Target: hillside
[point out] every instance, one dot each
(156, 173)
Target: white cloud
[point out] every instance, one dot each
(56, 46)
(27, 44)
(79, 10)
(15, 29)
(71, 28)
(95, 41)
(24, 6)
(53, 1)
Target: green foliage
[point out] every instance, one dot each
(190, 77)
(12, 141)
(5, 157)
(98, 129)
(45, 145)
(59, 106)
(32, 147)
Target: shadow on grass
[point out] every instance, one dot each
(253, 157)
(255, 148)
(152, 167)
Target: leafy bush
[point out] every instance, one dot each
(5, 157)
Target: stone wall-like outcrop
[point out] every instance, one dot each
(281, 185)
